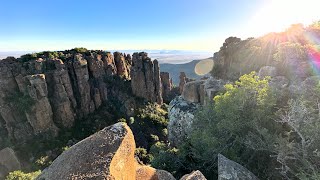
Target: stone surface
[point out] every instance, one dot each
(61, 94)
(181, 115)
(166, 85)
(149, 173)
(107, 154)
(183, 81)
(230, 170)
(8, 162)
(211, 88)
(192, 91)
(145, 78)
(40, 116)
(122, 64)
(195, 175)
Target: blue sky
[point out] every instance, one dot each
(143, 24)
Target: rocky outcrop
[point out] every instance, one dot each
(61, 94)
(107, 154)
(228, 170)
(8, 162)
(181, 115)
(166, 85)
(202, 91)
(195, 175)
(145, 78)
(123, 64)
(40, 115)
(211, 88)
(68, 85)
(183, 81)
(192, 91)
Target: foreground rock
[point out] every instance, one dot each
(8, 162)
(230, 170)
(195, 175)
(181, 115)
(149, 173)
(107, 154)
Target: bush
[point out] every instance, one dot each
(246, 108)
(143, 155)
(19, 175)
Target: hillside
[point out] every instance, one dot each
(189, 68)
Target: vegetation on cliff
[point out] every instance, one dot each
(268, 124)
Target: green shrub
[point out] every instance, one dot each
(143, 155)
(19, 175)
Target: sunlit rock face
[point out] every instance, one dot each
(181, 115)
(228, 170)
(107, 154)
(195, 175)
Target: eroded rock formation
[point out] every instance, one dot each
(39, 95)
(145, 78)
(166, 85)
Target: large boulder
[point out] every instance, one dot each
(8, 162)
(181, 115)
(192, 92)
(211, 88)
(107, 154)
(230, 170)
(149, 173)
(195, 175)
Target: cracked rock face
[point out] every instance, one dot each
(145, 78)
(181, 115)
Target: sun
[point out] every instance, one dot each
(277, 15)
